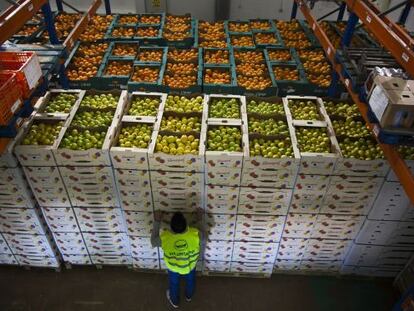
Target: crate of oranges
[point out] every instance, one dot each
(217, 56)
(148, 34)
(178, 30)
(152, 55)
(126, 20)
(278, 54)
(151, 19)
(242, 40)
(121, 33)
(219, 80)
(123, 50)
(264, 39)
(262, 25)
(146, 77)
(115, 73)
(238, 27)
(290, 79)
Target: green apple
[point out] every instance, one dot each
(62, 102)
(137, 135)
(184, 104)
(278, 148)
(313, 139)
(265, 108)
(142, 106)
(224, 108)
(181, 124)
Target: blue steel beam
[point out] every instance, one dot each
(294, 10)
(50, 23)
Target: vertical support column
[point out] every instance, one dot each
(349, 30)
(404, 13)
(63, 79)
(108, 7)
(50, 23)
(346, 40)
(294, 10)
(341, 11)
(59, 5)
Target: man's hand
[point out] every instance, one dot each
(199, 213)
(158, 215)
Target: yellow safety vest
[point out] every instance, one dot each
(181, 250)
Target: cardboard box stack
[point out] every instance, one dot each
(314, 238)
(130, 159)
(385, 242)
(24, 238)
(177, 161)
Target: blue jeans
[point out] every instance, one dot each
(174, 283)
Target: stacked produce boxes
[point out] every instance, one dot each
(313, 237)
(385, 243)
(226, 145)
(134, 141)
(269, 172)
(177, 161)
(21, 218)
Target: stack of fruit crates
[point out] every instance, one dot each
(177, 162)
(85, 166)
(312, 240)
(134, 140)
(22, 223)
(268, 175)
(226, 146)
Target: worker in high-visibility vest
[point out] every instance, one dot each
(181, 247)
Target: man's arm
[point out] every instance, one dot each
(155, 235)
(200, 224)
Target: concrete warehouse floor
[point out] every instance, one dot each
(120, 289)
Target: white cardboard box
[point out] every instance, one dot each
(255, 251)
(76, 259)
(161, 180)
(223, 176)
(355, 167)
(220, 226)
(222, 199)
(217, 266)
(321, 265)
(146, 263)
(315, 183)
(280, 179)
(259, 228)
(387, 233)
(74, 175)
(264, 201)
(100, 219)
(20, 220)
(30, 244)
(246, 267)
(286, 265)
(216, 250)
(361, 184)
(8, 259)
(70, 243)
(139, 223)
(37, 261)
(107, 244)
(141, 248)
(100, 259)
(307, 202)
(60, 219)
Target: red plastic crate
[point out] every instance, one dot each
(25, 65)
(10, 97)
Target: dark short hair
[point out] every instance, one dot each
(178, 223)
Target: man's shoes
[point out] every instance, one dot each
(170, 301)
(187, 299)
